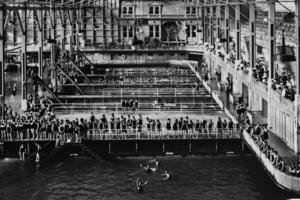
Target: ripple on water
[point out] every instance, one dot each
(219, 177)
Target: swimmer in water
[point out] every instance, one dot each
(165, 176)
(154, 161)
(148, 169)
(140, 185)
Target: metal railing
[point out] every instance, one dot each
(176, 107)
(131, 134)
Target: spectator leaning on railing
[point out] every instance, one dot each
(260, 136)
(284, 84)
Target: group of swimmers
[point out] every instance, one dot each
(150, 168)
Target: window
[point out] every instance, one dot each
(151, 10)
(154, 10)
(190, 10)
(130, 32)
(151, 31)
(194, 29)
(154, 31)
(127, 32)
(124, 31)
(191, 30)
(188, 30)
(193, 10)
(125, 10)
(128, 10)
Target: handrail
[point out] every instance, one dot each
(86, 58)
(283, 179)
(70, 79)
(79, 70)
(48, 89)
(129, 134)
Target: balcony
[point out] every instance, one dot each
(158, 17)
(276, 97)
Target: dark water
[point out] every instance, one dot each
(208, 177)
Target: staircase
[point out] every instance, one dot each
(41, 82)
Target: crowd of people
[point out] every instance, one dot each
(261, 72)
(260, 135)
(122, 127)
(44, 125)
(285, 85)
(132, 104)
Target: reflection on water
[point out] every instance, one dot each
(191, 178)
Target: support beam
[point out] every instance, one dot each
(211, 23)
(86, 58)
(80, 72)
(63, 26)
(40, 19)
(53, 50)
(272, 37)
(218, 15)
(238, 32)
(204, 20)
(297, 79)
(70, 79)
(2, 60)
(227, 29)
(252, 28)
(252, 49)
(297, 29)
(272, 46)
(24, 54)
(71, 35)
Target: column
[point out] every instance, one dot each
(53, 49)
(227, 28)
(78, 25)
(41, 41)
(272, 45)
(211, 23)
(2, 61)
(297, 81)
(71, 37)
(204, 29)
(272, 37)
(238, 32)
(63, 26)
(24, 53)
(218, 15)
(252, 53)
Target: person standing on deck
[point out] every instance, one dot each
(140, 126)
(13, 93)
(158, 127)
(168, 127)
(22, 152)
(148, 127)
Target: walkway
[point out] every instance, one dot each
(287, 154)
